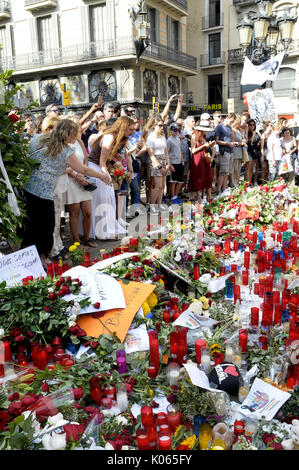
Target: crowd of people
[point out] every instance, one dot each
(108, 165)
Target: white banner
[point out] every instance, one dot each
(257, 75)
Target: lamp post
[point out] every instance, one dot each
(260, 33)
(140, 20)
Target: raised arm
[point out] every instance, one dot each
(179, 108)
(167, 107)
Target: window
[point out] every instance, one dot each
(285, 82)
(153, 24)
(45, 38)
(215, 89)
(173, 33)
(3, 41)
(214, 13)
(214, 46)
(98, 22)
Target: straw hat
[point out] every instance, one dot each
(204, 125)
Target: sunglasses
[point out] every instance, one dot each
(160, 125)
(175, 130)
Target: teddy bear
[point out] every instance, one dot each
(293, 442)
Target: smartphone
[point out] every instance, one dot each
(100, 99)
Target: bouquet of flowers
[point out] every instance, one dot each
(118, 174)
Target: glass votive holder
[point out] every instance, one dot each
(218, 444)
(142, 440)
(164, 441)
(254, 316)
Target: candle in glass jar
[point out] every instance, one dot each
(164, 441)
(237, 357)
(161, 418)
(174, 419)
(239, 427)
(229, 353)
(243, 339)
(205, 361)
(147, 416)
(166, 316)
(110, 392)
(246, 259)
(237, 293)
(152, 371)
(218, 444)
(254, 316)
(95, 390)
(196, 272)
(173, 339)
(245, 277)
(121, 361)
(154, 348)
(142, 441)
(122, 397)
(106, 403)
(173, 373)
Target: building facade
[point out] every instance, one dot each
(213, 37)
(88, 45)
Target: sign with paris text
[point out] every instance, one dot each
(20, 264)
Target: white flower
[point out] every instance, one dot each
(121, 420)
(53, 420)
(72, 323)
(35, 424)
(1, 332)
(125, 241)
(50, 289)
(73, 317)
(53, 441)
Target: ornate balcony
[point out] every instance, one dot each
(4, 9)
(35, 5)
(235, 56)
(99, 51)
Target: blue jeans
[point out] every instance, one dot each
(134, 189)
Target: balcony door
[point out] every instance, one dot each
(215, 85)
(214, 48)
(98, 22)
(214, 13)
(45, 33)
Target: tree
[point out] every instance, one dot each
(14, 151)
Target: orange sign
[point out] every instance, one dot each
(118, 320)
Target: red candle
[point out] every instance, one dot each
(285, 298)
(236, 246)
(262, 286)
(166, 316)
(254, 237)
(5, 351)
(267, 313)
(237, 293)
(56, 341)
(218, 358)
(142, 441)
(246, 259)
(106, 403)
(152, 371)
(263, 342)
(199, 345)
(110, 392)
(147, 416)
(154, 348)
(227, 246)
(164, 428)
(217, 248)
(246, 229)
(41, 358)
(182, 345)
(161, 418)
(277, 314)
(276, 297)
(256, 288)
(152, 437)
(245, 277)
(243, 338)
(164, 441)
(196, 272)
(95, 390)
(222, 271)
(67, 363)
(173, 338)
(174, 419)
(233, 268)
(254, 317)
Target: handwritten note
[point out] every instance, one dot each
(118, 320)
(99, 287)
(198, 377)
(15, 266)
(192, 320)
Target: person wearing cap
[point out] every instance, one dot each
(177, 161)
(201, 176)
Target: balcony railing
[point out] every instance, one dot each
(94, 51)
(158, 51)
(236, 55)
(34, 5)
(207, 60)
(212, 21)
(4, 9)
(175, 5)
(181, 3)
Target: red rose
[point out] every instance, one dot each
(16, 408)
(14, 396)
(74, 431)
(28, 401)
(78, 393)
(183, 447)
(98, 314)
(13, 118)
(52, 296)
(47, 309)
(94, 344)
(4, 417)
(171, 398)
(97, 305)
(45, 387)
(275, 446)
(19, 338)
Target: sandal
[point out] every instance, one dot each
(90, 243)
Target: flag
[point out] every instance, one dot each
(258, 75)
(140, 46)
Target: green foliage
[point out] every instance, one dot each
(14, 150)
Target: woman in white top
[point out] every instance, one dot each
(159, 164)
(268, 129)
(275, 152)
(77, 198)
(289, 146)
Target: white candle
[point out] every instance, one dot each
(173, 377)
(229, 352)
(205, 360)
(122, 400)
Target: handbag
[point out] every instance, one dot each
(245, 157)
(91, 186)
(135, 165)
(285, 165)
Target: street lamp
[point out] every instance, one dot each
(263, 29)
(139, 17)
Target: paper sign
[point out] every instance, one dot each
(15, 266)
(137, 340)
(198, 377)
(99, 287)
(118, 320)
(218, 284)
(263, 400)
(105, 263)
(192, 320)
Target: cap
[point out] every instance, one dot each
(174, 126)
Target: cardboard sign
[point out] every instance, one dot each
(118, 320)
(15, 266)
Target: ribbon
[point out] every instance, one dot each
(12, 200)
